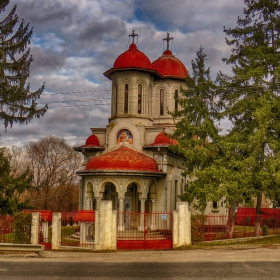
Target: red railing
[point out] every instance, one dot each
(71, 229)
(216, 226)
(141, 230)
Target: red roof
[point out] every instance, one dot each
(163, 139)
(133, 58)
(169, 66)
(124, 159)
(85, 216)
(92, 140)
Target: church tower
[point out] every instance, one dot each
(129, 161)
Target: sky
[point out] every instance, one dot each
(75, 42)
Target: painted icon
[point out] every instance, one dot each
(124, 136)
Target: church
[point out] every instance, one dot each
(129, 161)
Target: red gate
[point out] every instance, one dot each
(140, 231)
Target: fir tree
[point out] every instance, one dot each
(196, 128)
(12, 187)
(17, 102)
(252, 97)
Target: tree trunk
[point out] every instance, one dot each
(231, 219)
(258, 215)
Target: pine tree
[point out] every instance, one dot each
(252, 97)
(11, 187)
(196, 128)
(17, 102)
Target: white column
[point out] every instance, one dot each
(121, 215)
(153, 221)
(56, 231)
(35, 228)
(181, 225)
(142, 226)
(45, 230)
(89, 203)
(97, 205)
(105, 231)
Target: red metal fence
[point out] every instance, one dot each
(215, 226)
(7, 229)
(77, 228)
(144, 230)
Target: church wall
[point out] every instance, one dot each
(133, 79)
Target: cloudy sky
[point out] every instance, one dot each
(75, 41)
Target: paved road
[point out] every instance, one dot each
(134, 270)
(230, 263)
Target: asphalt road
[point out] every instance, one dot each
(133, 270)
(231, 263)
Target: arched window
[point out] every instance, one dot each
(139, 107)
(116, 99)
(161, 101)
(176, 100)
(125, 98)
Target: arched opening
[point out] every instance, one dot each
(176, 105)
(161, 102)
(116, 99)
(139, 107)
(126, 99)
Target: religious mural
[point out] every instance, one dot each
(124, 136)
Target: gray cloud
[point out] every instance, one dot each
(75, 42)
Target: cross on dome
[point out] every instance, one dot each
(167, 39)
(133, 35)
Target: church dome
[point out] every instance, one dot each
(132, 58)
(163, 139)
(169, 66)
(92, 140)
(123, 159)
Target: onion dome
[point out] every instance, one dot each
(92, 143)
(123, 159)
(168, 66)
(132, 58)
(92, 140)
(162, 140)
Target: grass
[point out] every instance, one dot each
(262, 241)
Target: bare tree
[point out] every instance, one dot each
(54, 164)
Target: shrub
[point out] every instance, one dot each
(22, 228)
(197, 227)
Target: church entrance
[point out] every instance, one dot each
(143, 230)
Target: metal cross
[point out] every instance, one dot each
(167, 39)
(133, 35)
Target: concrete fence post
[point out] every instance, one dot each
(105, 227)
(56, 231)
(35, 228)
(182, 225)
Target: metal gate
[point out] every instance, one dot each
(144, 231)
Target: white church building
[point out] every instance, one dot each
(129, 161)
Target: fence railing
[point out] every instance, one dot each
(77, 228)
(140, 225)
(215, 227)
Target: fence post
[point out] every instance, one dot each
(35, 228)
(105, 227)
(182, 225)
(56, 231)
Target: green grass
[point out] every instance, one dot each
(254, 241)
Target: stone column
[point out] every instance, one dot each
(89, 203)
(105, 229)
(97, 205)
(35, 228)
(56, 231)
(153, 220)
(121, 215)
(142, 226)
(181, 225)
